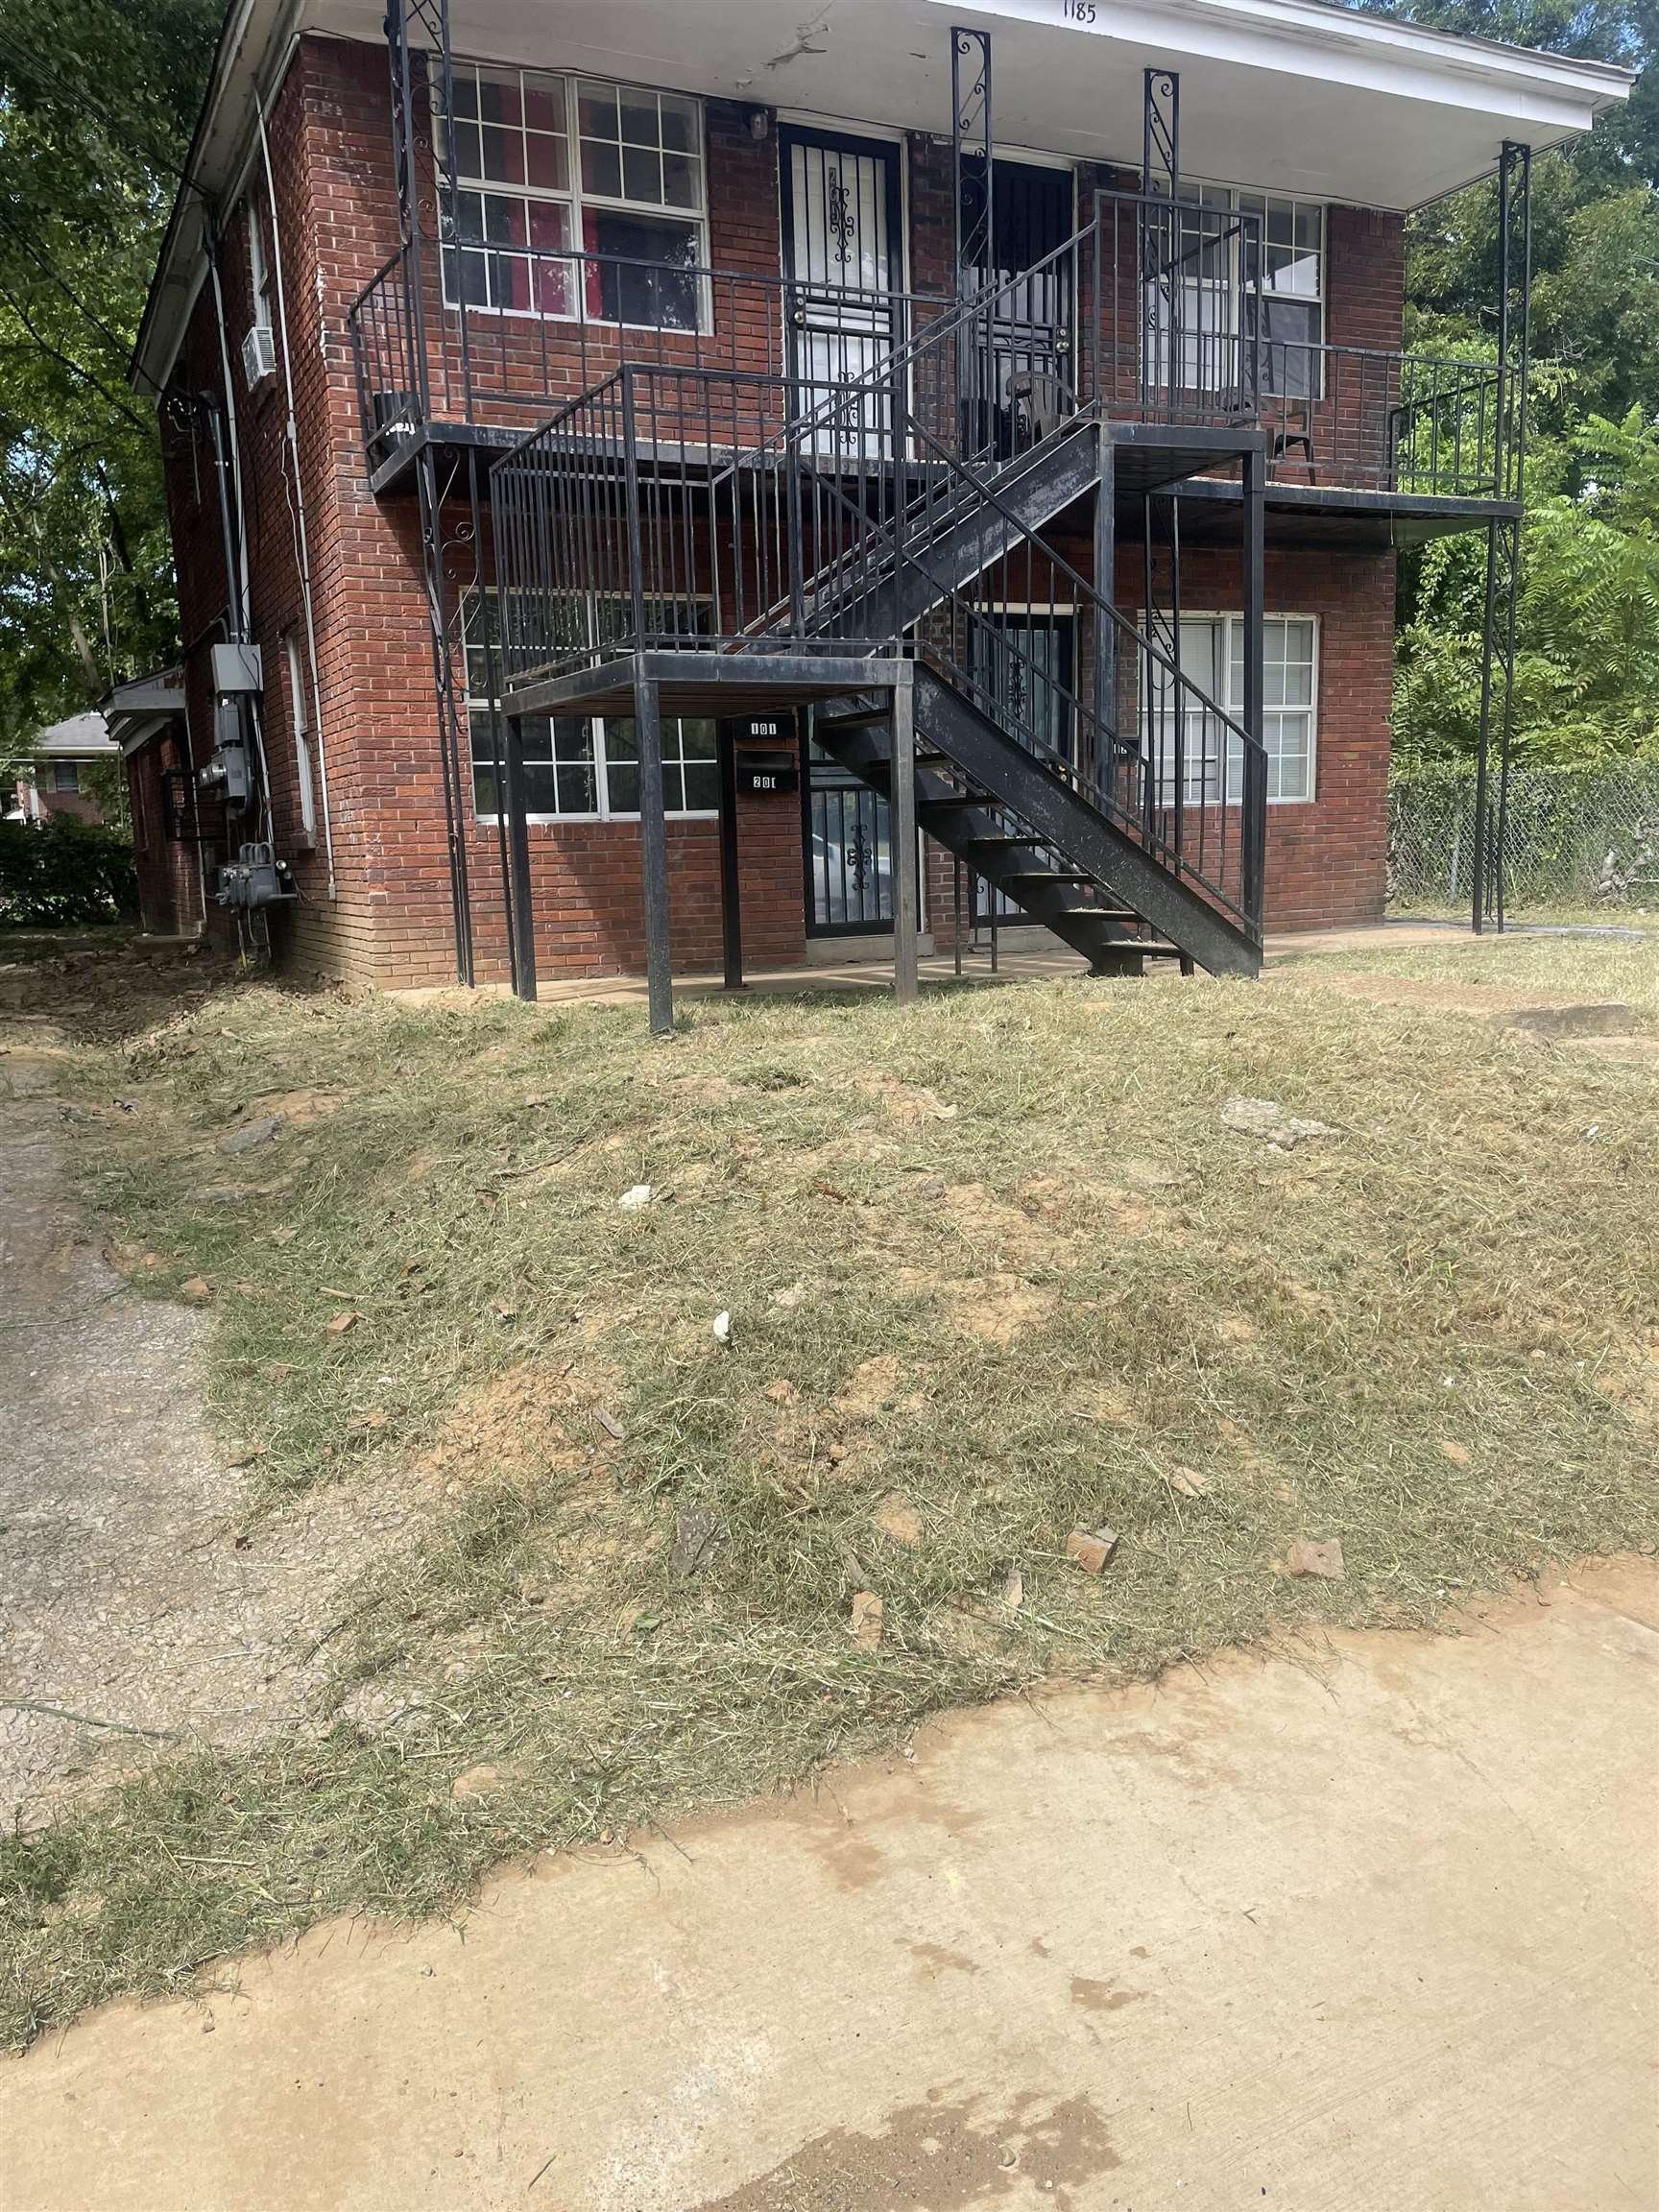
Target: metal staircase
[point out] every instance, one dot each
(742, 521)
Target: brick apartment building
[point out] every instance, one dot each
(563, 405)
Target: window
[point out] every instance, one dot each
(66, 775)
(1292, 293)
(1213, 659)
(575, 768)
(258, 268)
(1292, 234)
(548, 167)
(300, 712)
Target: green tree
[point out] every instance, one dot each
(96, 97)
(1587, 674)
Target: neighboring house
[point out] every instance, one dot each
(54, 780)
(1016, 381)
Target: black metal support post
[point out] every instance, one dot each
(731, 888)
(522, 908)
(1105, 641)
(1504, 538)
(431, 19)
(1253, 798)
(1161, 132)
(906, 905)
(484, 606)
(972, 162)
(1483, 753)
(653, 850)
(451, 750)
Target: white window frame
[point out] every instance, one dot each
(299, 722)
(597, 725)
(575, 199)
(258, 266)
(1228, 617)
(1244, 199)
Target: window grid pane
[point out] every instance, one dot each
(1208, 645)
(576, 768)
(518, 201)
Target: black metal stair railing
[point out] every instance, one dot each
(1107, 709)
(1361, 418)
(674, 505)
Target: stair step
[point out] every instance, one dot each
(1011, 876)
(876, 718)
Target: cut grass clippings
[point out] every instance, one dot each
(995, 1269)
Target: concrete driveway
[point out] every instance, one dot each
(1376, 1932)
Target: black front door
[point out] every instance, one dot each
(1024, 667)
(1028, 334)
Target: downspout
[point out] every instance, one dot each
(239, 583)
(301, 536)
(239, 587)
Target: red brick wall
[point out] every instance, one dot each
(75, 805)
(390, 918)
(168, 868)
(1327, 857)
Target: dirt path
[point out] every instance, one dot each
(1377, 1934)
(134, 1589)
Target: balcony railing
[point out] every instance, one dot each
(537, 329)
(1362, 418)
(1147, 314)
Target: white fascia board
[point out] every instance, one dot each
(1369, 53)
(253, 30)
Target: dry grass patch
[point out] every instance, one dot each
(995, 1269)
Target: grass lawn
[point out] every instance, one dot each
(995, 1268)
(1481, 974)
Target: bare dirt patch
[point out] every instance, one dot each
(529, 1419)
(997, 1309)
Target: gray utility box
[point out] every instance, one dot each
(255, 877)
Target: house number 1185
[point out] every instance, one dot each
(1079, 12)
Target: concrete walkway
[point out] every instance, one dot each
(1379, 1932)
(144, 1605)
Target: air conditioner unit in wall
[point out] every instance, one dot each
(259, 354)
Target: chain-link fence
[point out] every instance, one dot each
(1573, 838)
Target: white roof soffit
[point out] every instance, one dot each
(1286, 94)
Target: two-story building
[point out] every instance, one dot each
(637, 468)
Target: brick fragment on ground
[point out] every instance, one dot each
(867, 1620)
(1316, 1561)
(1093, 1549)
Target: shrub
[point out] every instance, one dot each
(63, 874)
